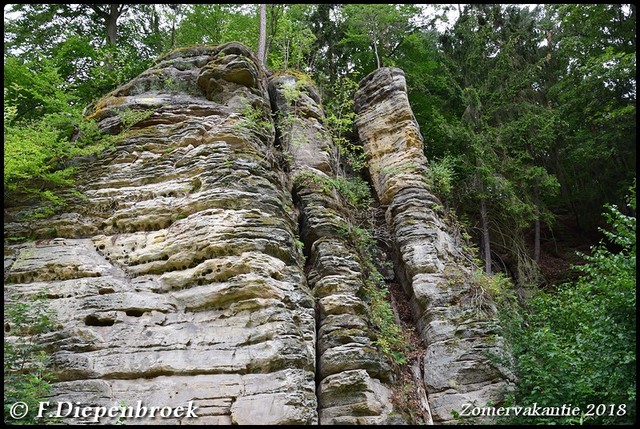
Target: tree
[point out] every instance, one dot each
(291, 40)
(109, 14)
(327, 53)
(214, 24)
(591, 79)
(380, 27)
(493, 57)
(173, 15)
(82, 39)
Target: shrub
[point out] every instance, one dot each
(578, 345)
(26, 374)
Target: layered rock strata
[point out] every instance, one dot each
(459, 339)
(352, 375)
(178, 278)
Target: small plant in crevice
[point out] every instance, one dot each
(354, 192)
(300, 249)
(389, 336)
(130, 117)
(123, 407)
(254, 118)
(440, 177)
(488, 294)
(292, 91)
(285, 123)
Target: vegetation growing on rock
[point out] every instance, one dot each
(528, 120)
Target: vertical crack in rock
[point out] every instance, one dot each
(178, 279)
(353, 376)
(457, 366)
(179, 276)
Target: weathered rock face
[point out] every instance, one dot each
(179, 279)
(457, 366)
(352, 373)
(207, 262)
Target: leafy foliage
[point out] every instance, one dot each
(559, 343)
(213, 24)
(389, 336)
(354, 192)
(440, 176)
(36, 153)
(73, 38)
(292, 40)
(341, 121)
(26, 374)
(591, 76)
(380, 28)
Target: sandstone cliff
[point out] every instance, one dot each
(206, 263)
(432, 264)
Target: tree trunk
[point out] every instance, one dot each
(262, 39)
(110, 19)
(332, 64)
(375, 49)
(173, 7)
(273, 27)
(112, 24)
(484, 217)
(173, 34)
(536, 238)
(536, 227)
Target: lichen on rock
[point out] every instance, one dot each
(456, 370)
(207, 261)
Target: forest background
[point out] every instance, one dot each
(529, 122)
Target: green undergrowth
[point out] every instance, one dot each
(27, 374)
(354, 192)
(389, 336)
(577, 344)
(39, 153)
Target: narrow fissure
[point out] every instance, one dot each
(316, 311)
(279, 147)
(351, 272)
(413, 402)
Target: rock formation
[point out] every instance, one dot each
(179, 278)
(459, 340)
(206, 262)
(351, 371)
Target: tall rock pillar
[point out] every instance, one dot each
(353, 375)
(459, 338)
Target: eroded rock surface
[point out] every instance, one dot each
(353, 375)
(178, 278)
(459, 339)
